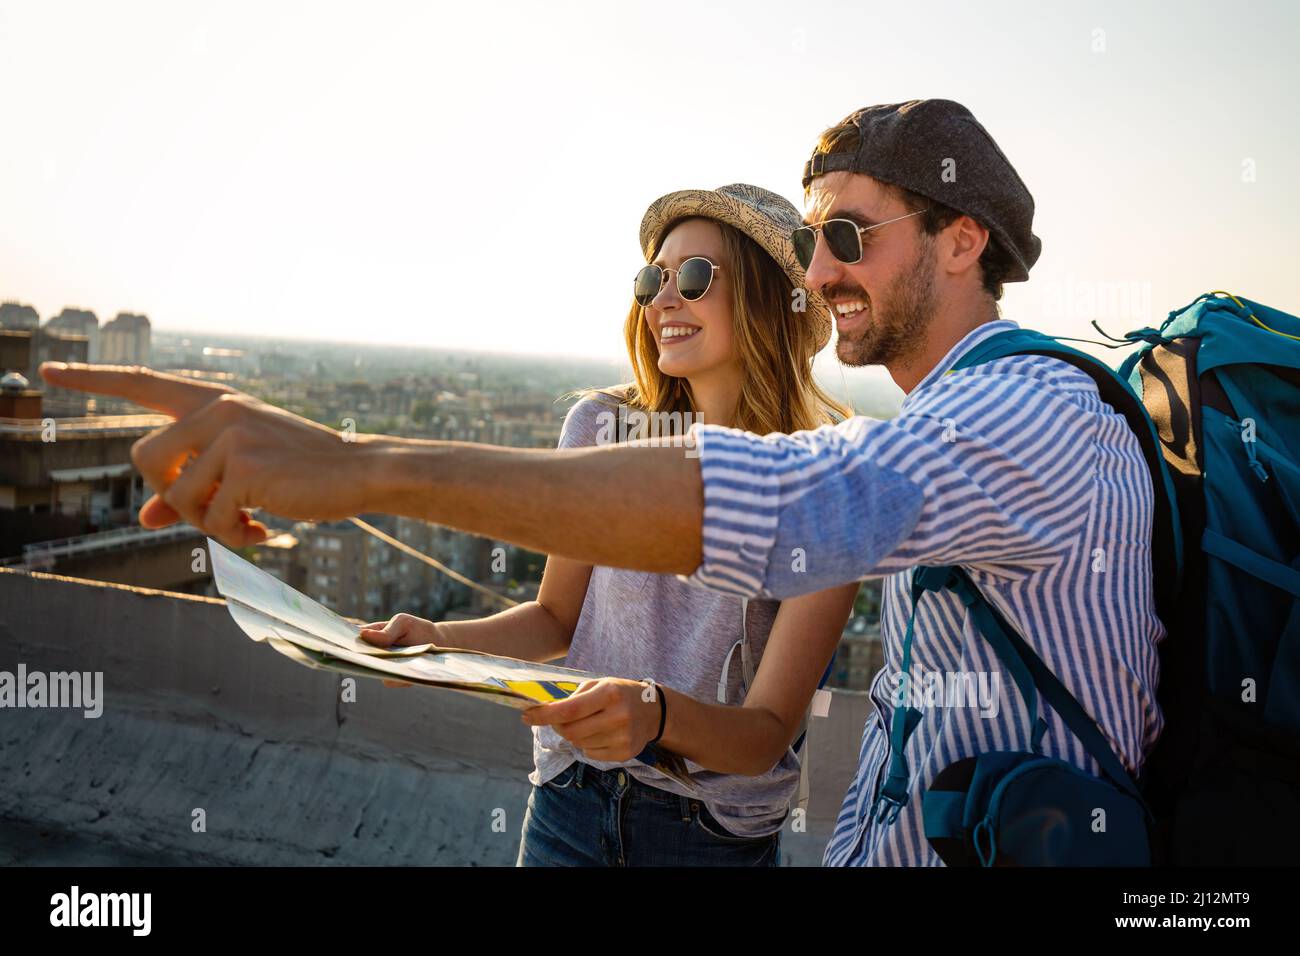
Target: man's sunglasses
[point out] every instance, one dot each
(843, 238)
(694, 276)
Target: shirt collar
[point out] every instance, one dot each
(968, 342)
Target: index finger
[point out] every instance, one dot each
(169, 394)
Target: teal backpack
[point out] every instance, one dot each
(1213, 396)
(1221, 380)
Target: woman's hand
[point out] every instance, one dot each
(400, 629)
(608, 719)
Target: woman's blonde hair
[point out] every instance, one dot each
(776, 346)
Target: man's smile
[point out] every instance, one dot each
(850, 314)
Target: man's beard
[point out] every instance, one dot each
(897, 328)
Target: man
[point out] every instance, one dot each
(1014, 469)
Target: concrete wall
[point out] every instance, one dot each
(168, 563)
(198, 716)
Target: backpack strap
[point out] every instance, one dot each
(1166, 530)
(1011, 647)
(1252, 562)
(1030, 674)
(895, 790)
(746, 657)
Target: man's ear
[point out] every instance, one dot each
(968, 241)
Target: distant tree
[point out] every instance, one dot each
(423, 411)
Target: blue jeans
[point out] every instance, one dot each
(590, 817)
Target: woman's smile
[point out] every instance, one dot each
(674, 333)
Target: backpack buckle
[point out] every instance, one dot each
(886, 809)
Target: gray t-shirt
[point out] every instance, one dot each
(640, 626)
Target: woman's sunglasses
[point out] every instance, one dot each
(843, 238)
(694, 276)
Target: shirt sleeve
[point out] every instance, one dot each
(591, 421)
(990, 466)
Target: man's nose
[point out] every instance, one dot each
(824, 270)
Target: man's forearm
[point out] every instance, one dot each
(627, 506)
(630, 506)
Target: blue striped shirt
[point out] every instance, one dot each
(1017, 471)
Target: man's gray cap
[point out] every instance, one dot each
(937, 149)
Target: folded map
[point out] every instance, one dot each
(270, 611)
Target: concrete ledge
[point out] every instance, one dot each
(198, 716)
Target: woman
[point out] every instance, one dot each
(717, 332)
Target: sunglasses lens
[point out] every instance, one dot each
(647, 284)
(843, 240)
(694, 278)
(805, 244)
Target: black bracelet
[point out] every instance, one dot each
(663, 710)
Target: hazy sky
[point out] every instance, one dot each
(473, 175)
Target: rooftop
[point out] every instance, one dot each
(197, 716)
(44, 553)
(95, 426)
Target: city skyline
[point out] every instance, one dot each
(306, 174)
